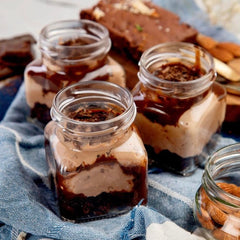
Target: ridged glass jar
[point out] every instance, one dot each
(217, 201)
(96, 156)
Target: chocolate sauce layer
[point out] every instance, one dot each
(53, 81)
(163, 109)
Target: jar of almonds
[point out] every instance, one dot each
(217, 201)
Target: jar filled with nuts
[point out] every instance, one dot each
(217, 201)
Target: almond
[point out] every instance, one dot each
(236, 191)
(204, 219)
(221, 54)
(231, 47)
(206, 41)
(204, 198)
(227, 187)
(221, 235)
(216, 214)
(230, 188)
(235, 64)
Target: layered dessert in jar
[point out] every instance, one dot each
(179, 105)
(71, 51)
(96, 156)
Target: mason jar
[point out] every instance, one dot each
(71, 51)
(95, 154)
(179, 105)
(217, 201)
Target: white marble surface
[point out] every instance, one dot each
(30, 16)
(21, 16)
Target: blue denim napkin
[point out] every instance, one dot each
(28, 208)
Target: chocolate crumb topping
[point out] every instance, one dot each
(178, 72)
(95, 113)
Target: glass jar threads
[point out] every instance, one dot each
(217, 201)
(70, 51)
(179, 106)
(96, 156)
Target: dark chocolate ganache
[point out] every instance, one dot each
(167, 109)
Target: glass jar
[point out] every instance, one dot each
(179, 106)
(70, 51)
(96, 156)
(217, 201)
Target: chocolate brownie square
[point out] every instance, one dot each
(136, 25)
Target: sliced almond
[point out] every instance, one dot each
(225, 71)
(216, 213)
(142, 8)
(98, 13)
(205, 220)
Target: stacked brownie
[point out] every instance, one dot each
(15, 54)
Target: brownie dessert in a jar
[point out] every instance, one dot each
(71, 51)
(96, 156)
(180, 107)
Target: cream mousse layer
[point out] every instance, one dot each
(192, 132)
(103, 177)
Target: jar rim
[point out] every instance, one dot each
(183, 48)
(219, 159)
(129, 109)
(57, 27)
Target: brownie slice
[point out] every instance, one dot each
(136, 25)
(15, 54)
